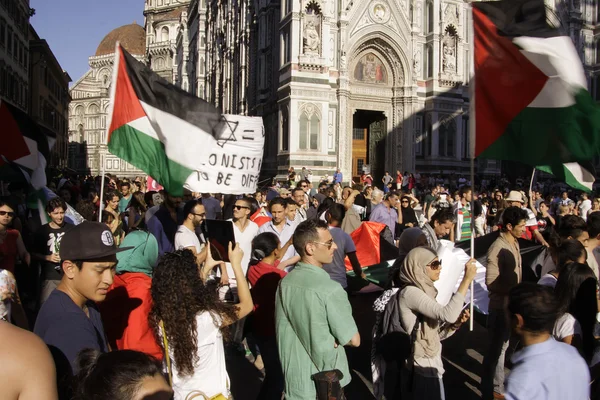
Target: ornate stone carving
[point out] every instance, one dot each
(417, 14)
(449, 51)
(416, 65)
(382, 47)
(379, 12)
(451, 15)
(312, 38)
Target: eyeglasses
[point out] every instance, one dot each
(435, 265)
(329, 244)
(203, 215)
(240, 207)
(9, 213)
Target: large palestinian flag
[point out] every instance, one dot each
(531, 101)
(156, 126)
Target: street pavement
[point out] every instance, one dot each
(462, 354)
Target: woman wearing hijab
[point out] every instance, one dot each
(417, 303)
(128, 302)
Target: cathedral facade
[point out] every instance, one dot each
(360, 85)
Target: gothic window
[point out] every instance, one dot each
(310, 125)
(429, 17)
(80, 132)
(201, 66)
(446, 136)
(598, 48)
(159, 63)
(164, 34)
(427, 139)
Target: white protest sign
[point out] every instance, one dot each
(453, 268)
(232, 165)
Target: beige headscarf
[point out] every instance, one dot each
(414, 273)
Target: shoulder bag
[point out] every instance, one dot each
(195, 394)
(327, 383)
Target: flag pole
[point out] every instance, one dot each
(2, 187)
(111, 104)
(531, 183)
(472, 127)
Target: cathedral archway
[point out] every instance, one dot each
(373, 133)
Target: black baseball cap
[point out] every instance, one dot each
(88, 241)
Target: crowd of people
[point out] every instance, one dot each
(132, 302)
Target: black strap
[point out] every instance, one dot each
(413, 340)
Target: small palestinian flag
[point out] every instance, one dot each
(158, 127)
(531, 98)
(581, 175)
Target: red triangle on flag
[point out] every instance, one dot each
(126, 105)
(13, 143)
(506, 82)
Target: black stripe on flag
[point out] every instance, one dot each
(30, 129)
(155, 91)
(515, 18)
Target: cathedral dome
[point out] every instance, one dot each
(132, 37)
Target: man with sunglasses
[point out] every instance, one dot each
(186, 237)
(244, 231)
(313, 317)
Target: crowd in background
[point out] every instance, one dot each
(143, 281)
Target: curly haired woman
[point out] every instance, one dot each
(194, 320)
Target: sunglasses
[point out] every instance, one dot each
(328, 244)
(303, 186)
(9, 213)
(240, 207)
(405, 202)
(435, 265)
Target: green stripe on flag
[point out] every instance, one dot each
(573, 174)
(148, 154)
(539, 136)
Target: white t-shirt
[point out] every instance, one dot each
(584, 207)
(245, 241)
(210, 375)
(185, 238)
(548, 280)
(566, 325)
(345, 245)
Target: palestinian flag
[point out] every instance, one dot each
(577, 175)
(158, 127)
(26, 146)
(531, 102)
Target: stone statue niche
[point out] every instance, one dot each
(449, 51)
(311, 34)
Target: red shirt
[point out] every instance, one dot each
(264, 279)
(8, 250)
(125, 314)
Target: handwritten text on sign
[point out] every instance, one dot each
(232, 165)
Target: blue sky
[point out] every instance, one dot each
(75, 28)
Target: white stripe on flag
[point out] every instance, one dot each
(582, 176)
(185, 143)
(557, 58)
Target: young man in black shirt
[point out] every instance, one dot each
(47, 245)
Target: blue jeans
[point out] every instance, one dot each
(492, 377)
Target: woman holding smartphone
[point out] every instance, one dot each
(190, 321)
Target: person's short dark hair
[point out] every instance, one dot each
(536, 304)
(571, 226)
(464, 190)
(306, 232)
(290, 202)
(188, 208)
(149, 197)
(569, 250)
(277, 200)
(86, 209)
(54, 203)
(125, 183)
(297, 189)
(115, 375)
(593, 225)
(4, 201)
(247, 200)
(108, 196)
(253, 204)
(513, 215)
(442, 216)
(336, 212)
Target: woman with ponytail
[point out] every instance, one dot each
(264, 276)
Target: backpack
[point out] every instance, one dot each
(395, 344)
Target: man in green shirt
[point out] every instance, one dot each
(313, 317)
